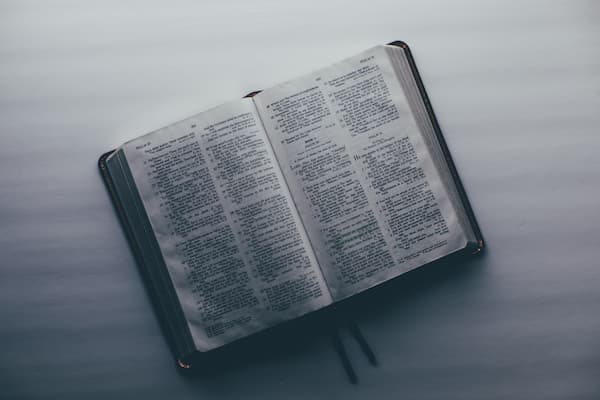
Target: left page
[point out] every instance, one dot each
(230, 235)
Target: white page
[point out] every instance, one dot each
(229, 233)
(359, 172)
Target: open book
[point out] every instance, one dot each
(279, 204)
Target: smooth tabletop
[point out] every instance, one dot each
(516, 89)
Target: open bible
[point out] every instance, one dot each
(281, 203)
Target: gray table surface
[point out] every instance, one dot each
(516, 87)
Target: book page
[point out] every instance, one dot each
(231, 238)
(361, 176)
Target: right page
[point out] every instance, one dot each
(359, 172)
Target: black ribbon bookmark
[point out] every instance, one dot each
(343, 354)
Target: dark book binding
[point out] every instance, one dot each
(153, 291)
